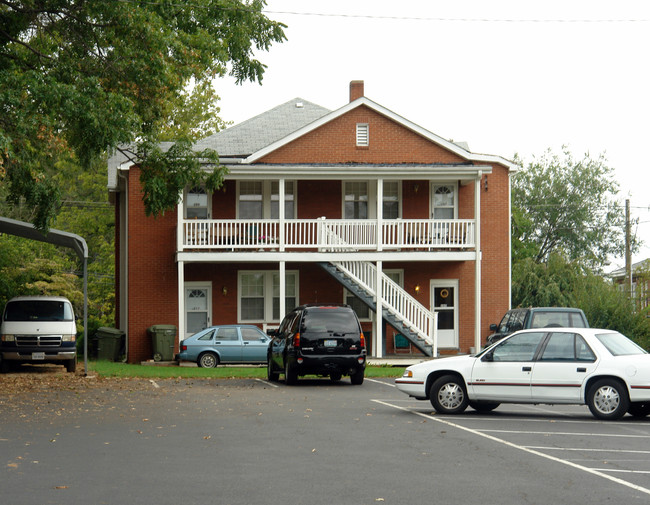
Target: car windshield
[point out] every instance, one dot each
(38, 310)
(619, 345)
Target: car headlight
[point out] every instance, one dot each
(68, 338)
(8, 338)
(408, 373)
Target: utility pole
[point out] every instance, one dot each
(628, 250)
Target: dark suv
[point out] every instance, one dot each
(319, 339)
(537, 317)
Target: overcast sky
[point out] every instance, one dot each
(505, 76)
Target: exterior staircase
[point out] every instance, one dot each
(399, 309)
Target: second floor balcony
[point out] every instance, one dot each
(326, 235)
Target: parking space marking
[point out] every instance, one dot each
(520, 447)
(568, 433)
(578, 449)
(267, 383)
(381, 382)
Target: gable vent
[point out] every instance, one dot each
(362, 134)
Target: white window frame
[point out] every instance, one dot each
(268, 294)
(189, 203)
(267, 195)
(454, 186)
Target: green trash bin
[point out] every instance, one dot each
(109, 343)
(163, 338)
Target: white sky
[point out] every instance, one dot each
(505, 76)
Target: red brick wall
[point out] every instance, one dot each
(152, 275)
(335, 142)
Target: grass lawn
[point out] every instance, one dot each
(111, 369)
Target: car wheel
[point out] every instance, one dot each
(71, 365)
(336, 376)
(208, 360)
(290, 374)
(357, 378)
(484, 406)
(448, 395)
(607, 399)
(638, 409)
(271, 374)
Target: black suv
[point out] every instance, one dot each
(537, 317)
(319, 339)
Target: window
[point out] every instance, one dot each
(519, 347)
(391, 200)
(567, 347)
(356, 200)
(444, 201)
(363, 138)
(260, 199)
(196, 204)
(259, 295)
(252, 334)
(226, 334)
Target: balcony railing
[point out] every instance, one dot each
(327, 234)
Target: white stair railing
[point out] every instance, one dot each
(395, 300)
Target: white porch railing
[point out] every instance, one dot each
(328, 234)
(396, 300)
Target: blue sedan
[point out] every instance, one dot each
(235, 343)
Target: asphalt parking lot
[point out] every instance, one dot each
(252, 442)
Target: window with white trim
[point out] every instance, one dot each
(355, 200)
(260, 199)
(197, 203)
(444, 201)
(391, 200)
(363, 134)
(259, 295)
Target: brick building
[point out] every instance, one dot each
(410, 229)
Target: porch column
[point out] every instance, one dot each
(477, 273)
(378, 337)
(283, 288)
(281, 217)
(180, 265)
(380, 212)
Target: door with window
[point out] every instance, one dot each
(198, 314)
(444, 301)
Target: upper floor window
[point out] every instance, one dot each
(197, 203)
(391, 200)
(356, 200)
(260, 199)
(444, 201)
(363, 137)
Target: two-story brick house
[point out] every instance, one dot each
(410, 229)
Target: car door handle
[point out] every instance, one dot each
(581, 369)
(526, 369)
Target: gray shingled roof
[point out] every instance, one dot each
(256, 133)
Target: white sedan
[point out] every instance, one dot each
(600, 368)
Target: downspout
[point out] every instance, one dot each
(180, 265)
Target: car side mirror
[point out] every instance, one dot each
(493, 327)
(272, 333)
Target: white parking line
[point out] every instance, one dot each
(541, 448)
(381, 382)
(521, 448)
(267, 383)
(569, 433)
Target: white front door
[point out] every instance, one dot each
(198, 303)
(444, 301)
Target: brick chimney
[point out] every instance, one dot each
(356, 90)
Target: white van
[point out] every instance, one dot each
(38, 329)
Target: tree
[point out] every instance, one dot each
(80, 78)
(566, 206)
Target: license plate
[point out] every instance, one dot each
(330, 343)
(38, 355)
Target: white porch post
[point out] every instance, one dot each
(378, 344)
(378, 338)
(283, 288)
(281, 217)
(477, 289)
(181, 271)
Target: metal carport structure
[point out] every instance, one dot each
(63, 239)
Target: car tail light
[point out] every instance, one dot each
(363, 341)
(360, 360)
(296, 340)
(183, 348)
